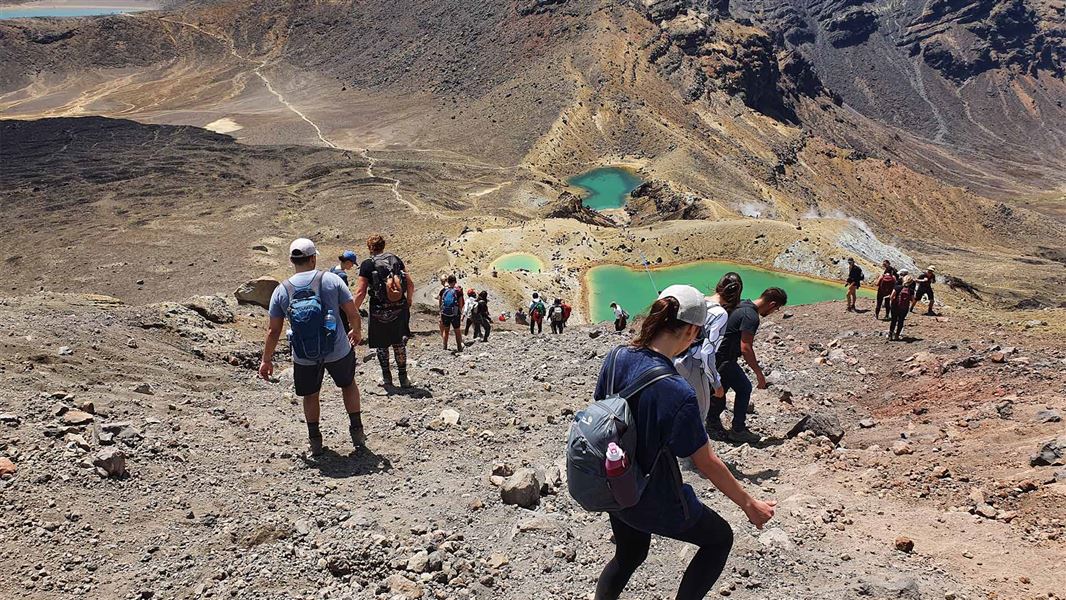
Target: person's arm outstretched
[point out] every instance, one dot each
(712, 467)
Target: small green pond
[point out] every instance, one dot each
(518, 261)
(635, 291)
(608, 187)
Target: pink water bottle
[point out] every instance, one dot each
(616, 462)
(620, 477)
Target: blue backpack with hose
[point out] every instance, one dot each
(311, 337)
(449, 303)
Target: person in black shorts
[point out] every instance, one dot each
(337, 359)
(384, 278)
(855, 277)
(450, 302)
(925, 290)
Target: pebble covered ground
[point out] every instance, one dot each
(141, 458)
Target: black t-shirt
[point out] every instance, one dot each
(745, 317)
(855, 274)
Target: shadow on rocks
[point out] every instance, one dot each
(411, 392)
(363, 461)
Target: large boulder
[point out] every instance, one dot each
(256, 291)
(819, 424)
(213, 308)
(522, 489)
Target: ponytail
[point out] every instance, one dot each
(661, 318)
(729, 289)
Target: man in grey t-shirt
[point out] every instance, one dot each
(335, 297)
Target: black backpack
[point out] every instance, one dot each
(389, 282)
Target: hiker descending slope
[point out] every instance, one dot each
(557, 316)
(311, 300)
(345, 262)
(738, 340)
(385, 279)
(468, 313)
(537, 312)
(662, 424)
(450, 302)
(483, 316)
(925, 290)
(885, 284)
(900, 300)
(697, 364)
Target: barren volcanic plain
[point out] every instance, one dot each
(151, 157)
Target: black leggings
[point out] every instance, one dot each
(895, 327)
(711, 533)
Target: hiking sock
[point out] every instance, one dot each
(313, 431)
(355, 419)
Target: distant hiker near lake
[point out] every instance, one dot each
(925, 290)
(621, 317)
(311, 300)
(885, 284)
(854, 280)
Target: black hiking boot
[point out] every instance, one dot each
(314, 446)
(743, 436)
(386, 378)
(358, 436)
(404, 381)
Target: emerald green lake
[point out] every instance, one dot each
(633, 289)
(518, 261)
(608, 187)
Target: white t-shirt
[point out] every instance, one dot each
(619, 312)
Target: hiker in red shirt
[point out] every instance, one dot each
(885, 284)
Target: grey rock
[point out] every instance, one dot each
(1048, 416)
(521, 489)
(1051, 453)
(110, 462)
(900, 587)
(418, 562)
(867, 423)
(212, 308)
(819, 424)
(256, 291)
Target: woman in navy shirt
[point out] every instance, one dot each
(667, 415)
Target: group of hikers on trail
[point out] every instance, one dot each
(655, 401)
(898, 293)
(312, 300)
(558, 314)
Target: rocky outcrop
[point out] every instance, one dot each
(655, 201)
(569, 206)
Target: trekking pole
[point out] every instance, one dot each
(654, 288)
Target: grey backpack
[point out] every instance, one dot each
(605, 421)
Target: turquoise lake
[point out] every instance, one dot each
(607, 187)
(635, 290)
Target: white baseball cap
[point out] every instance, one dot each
(693, 306)
(302, 248)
